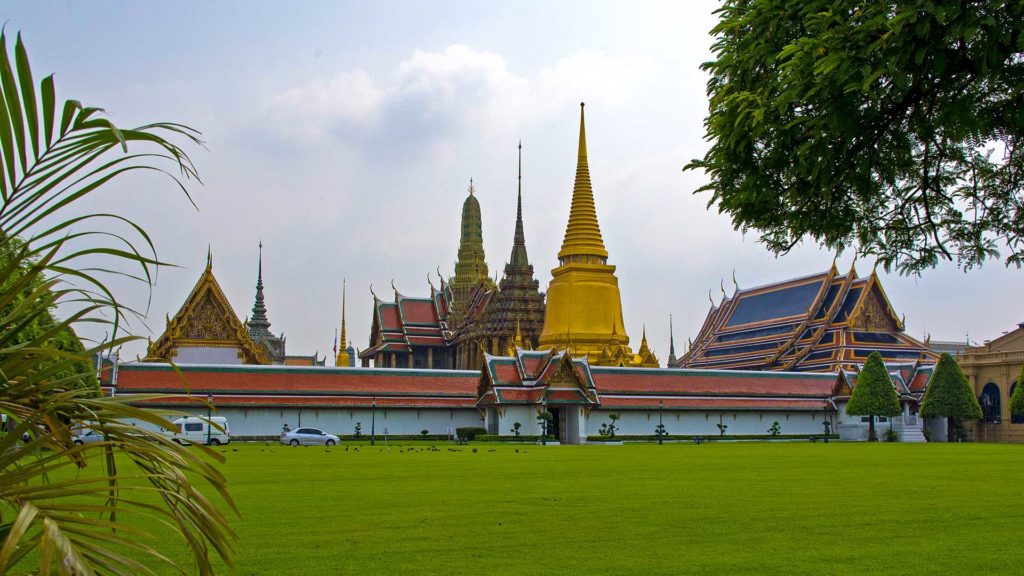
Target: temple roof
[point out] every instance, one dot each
(533, 377)
(206, 319)
(820, 322)
(300, 386)
(407, 322)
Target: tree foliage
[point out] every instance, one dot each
(64, 340)
(1017, 400)
(890, 127)
(63, 507)
(874, 394)
(949, 395)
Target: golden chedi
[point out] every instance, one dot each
(584, 309)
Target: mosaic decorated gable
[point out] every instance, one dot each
(206, 319)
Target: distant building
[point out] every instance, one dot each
(993, 370)
(951, 347)
(206, 330)
(821, 323)
(469, 314)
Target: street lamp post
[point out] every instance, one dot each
(373, 421)
(209, 414)
(661, 426)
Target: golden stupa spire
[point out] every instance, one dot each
(583, 234)
(343, 358)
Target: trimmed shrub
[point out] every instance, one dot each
(949, 395)
(1017, 401)
(470, 432)
(874, 394)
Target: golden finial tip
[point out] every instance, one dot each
(582, 104)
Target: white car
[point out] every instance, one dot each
(308, 437)
(86, 437)
(197, 430)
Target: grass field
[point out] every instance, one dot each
(731, 508)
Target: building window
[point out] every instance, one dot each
(991, 408)
(878, 419)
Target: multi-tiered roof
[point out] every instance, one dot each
(824, 322)
(553, 378)
(408, 323)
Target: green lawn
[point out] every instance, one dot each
(732, 508)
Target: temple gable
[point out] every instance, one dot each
(206, 329)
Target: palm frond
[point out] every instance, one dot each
(62, 506)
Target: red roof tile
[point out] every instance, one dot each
(389, 317)
(696, 382)
(723, 403)
(419, 312)
(507, 374)
(200, 380)
(317, 401)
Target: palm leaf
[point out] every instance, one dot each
(58, 513)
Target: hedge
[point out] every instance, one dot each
(470, 432)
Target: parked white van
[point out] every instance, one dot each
(197, 430)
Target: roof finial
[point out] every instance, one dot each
(734, 283)
(343, 358)
(259, 325)
(471, 189)
(583, 134)
(519, 257)
(375, 297)
(671, 343)
(344, 290)
(583, 233)
(209, 257)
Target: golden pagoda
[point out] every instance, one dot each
(584, 309)
(343, 358)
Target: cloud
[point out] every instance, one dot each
(308, 111)
(433, 96)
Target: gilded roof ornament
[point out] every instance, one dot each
(583, 233)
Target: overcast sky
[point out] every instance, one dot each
(344, 136)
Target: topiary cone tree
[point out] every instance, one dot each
(1017, 400)
(874, 394)
(949, 395)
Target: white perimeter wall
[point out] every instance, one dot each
(692, 423)
(206, 355)
(403, 421)
(697, 423)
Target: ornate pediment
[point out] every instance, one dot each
(206, 319)
(874, 314)
(566, 375)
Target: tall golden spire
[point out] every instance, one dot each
(343, 358)
(584, 307)
(583, 234)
